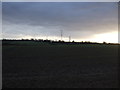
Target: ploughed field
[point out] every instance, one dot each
(28, 64)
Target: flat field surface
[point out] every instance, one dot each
(41, 65)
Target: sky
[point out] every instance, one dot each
(82, 21)
(0, 20)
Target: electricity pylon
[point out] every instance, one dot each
(61, 34)
(69, 38)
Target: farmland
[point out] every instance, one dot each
(29, 64)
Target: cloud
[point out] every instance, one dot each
(61, 1)
(76, 19)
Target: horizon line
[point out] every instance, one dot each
(60, 40)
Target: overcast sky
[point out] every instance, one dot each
(80, 20)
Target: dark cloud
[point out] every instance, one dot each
(89, 17)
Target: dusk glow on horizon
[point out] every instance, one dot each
(82, 21)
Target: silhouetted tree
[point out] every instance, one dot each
(104, 43)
